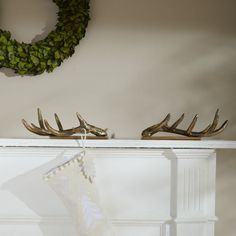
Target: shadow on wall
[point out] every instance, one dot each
(196, 71)
(30, 188)
(203, 79)
(209, 15)
(27, 15)
(225, 195)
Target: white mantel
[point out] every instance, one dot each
(116, 143)
(151, 188)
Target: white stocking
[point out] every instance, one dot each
(74, 183)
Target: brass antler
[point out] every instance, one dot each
(163, 126)
(47, 130)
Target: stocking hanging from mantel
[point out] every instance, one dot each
(74, 183)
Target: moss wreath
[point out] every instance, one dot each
(49, 53)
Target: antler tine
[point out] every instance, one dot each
(88, 128)
(177, 122)
(155, 128)
(215, 121)
(53, 131)
(40, 119)
(40, 131)
(221, 129)
(27, 126)
(32, 128)
(165, 121)
(60, 127)
(206, 129)
(211, 128)
(193, 123)
(83, 123)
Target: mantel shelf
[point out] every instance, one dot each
(118, 143)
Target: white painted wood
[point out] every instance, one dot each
(115, 143)
(145, 189)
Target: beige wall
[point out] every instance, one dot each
(140, 60)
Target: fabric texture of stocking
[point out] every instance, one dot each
(74, 183)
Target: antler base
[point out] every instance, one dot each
(170, 138)
(79, 137)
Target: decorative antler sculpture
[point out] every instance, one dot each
(163, 126)
(46, 130)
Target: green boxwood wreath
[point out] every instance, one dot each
(49, 53)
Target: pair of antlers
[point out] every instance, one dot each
(163, 126)
(47, 130)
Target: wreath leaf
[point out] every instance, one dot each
(49, 53)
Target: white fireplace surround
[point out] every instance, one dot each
(148, 188)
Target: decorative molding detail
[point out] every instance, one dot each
(138, 222)
(67, 220)
(35, 220)
(192, 204)
(193, 191)
(193, 153)
(196, 220)
(41, 152)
